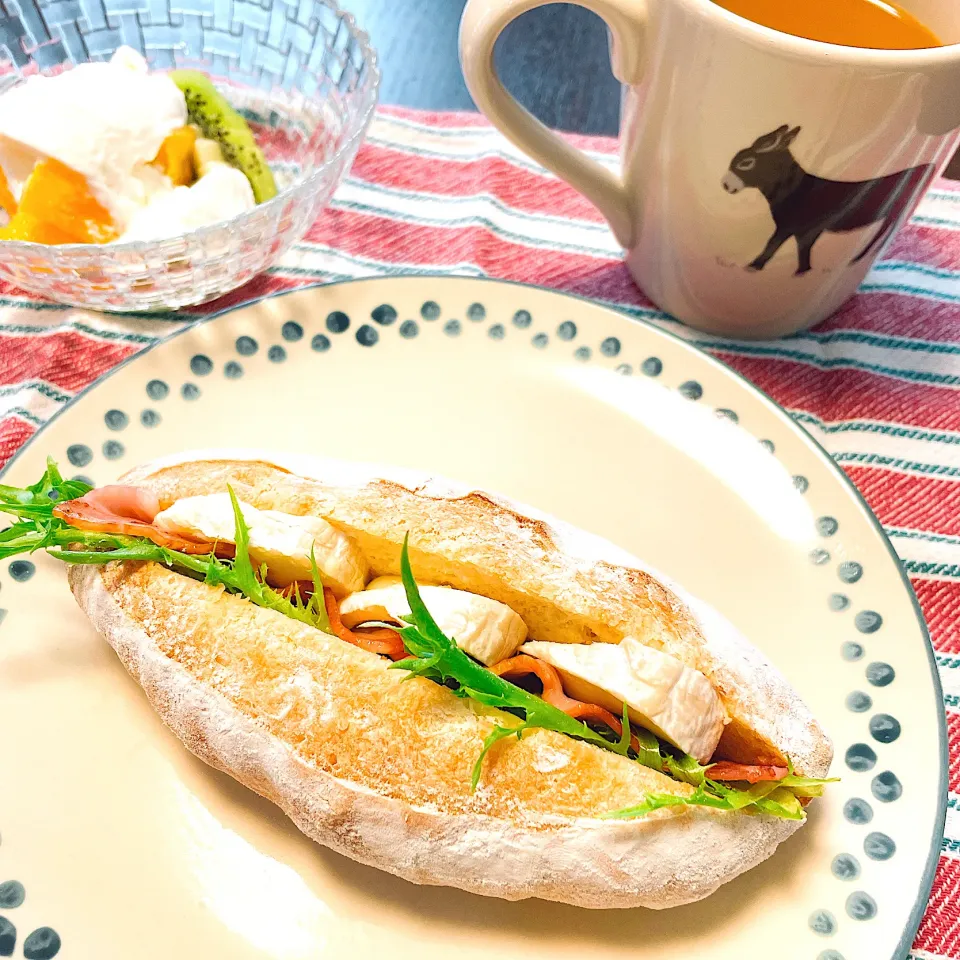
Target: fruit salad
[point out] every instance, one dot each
(111, 152)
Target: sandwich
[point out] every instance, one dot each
(435, 681)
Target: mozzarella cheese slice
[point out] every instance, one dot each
(486, 629)
(279, 540)
(662, 694)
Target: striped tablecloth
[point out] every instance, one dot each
(878, 385)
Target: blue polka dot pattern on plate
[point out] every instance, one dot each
(540, 340)
(320, 343)
(246, 346)
(409, 329)
(157, 390)
(827, 526)
(452, 328)
(724, 413)
(624, 368)
(819, 556)
(582, 354)
(189, 391)
(337, 321)
(567, 330)
(868, 621)
(232, 370)
(113, 450)
(861, 906)
(200, 365)
(291, 331)
(497, 332)
(79, 454)
(367, 336)
(829, 955)
(610, 347)
(838, 601)
(849, 571)
(42, 944)
(430, 310)
(384, 315)
(860, 757)
(823, 922)
(691, 390)
(859, 702)
(880, 674)
(149, 418)
(851, 651)
(801, 484)
(884, 728)
(522, 319)
(476, 312)
(845, 866)
(652, 366)
(886, 787)
(858, 811)
(12, 894)
(115, 419)
(276, 354)
(8, 937)
(878, 846)
(769, 446)
(22, 570)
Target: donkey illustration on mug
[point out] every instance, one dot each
(804, 206)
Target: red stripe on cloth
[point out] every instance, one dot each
(896, 315)
(261, 286)
(14, 433)
(939, 931)
(905, 500)
(66, 358)
(454, 118)
(940, 602)
(953, 744)
(926, 244)
(516, 187)
(845, 394)
(413, 244)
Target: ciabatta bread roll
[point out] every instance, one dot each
(377, 765)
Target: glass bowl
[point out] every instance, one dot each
(301, 73)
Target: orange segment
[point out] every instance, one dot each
(175, 156)
(7, 200)
(57, 206)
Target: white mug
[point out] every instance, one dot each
(762, 173)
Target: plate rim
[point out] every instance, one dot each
(933, 857)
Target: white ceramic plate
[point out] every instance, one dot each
(117, 843)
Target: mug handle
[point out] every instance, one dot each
(482, 23)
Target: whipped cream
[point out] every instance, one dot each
(107, 121)
(223, 191)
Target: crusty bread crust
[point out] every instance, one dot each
(379, 769)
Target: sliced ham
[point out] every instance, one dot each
(127, 511)
(380, 640)
(553, 691)
(750, 772)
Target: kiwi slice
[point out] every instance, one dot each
(218, 121)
